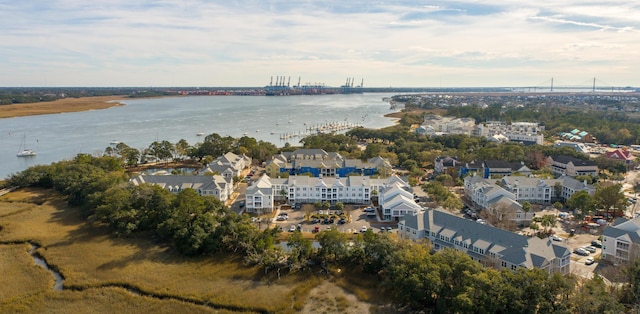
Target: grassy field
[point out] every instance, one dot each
(60, 106)
(96, 266)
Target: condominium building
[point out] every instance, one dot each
(488, 245)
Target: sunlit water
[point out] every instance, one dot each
(56, 137)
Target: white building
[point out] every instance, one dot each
(216, 185)
(621, 240)
(488, 245)
(525, 132)
(396, 201)
(487, 195)
(228, 165)
(305, 189)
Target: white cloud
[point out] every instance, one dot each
(244, 43)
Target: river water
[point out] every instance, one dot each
(57, 137)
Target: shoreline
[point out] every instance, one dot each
(61, 106)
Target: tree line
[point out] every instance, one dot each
(411, 274)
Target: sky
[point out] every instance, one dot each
(402, 43)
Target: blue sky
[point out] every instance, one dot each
(386, 43)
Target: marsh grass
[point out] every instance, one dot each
(61, 105)
(91, 259)
(100, 300)
(19, 275)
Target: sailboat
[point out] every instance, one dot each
(25, 152)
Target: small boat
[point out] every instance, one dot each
(25, 152)
(257, 130)
(200, 134)
(114, 142)
(245, 133)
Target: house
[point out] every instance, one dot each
(443, 163)
(578, 136)
(492, 247)
(532, 190)
(578, 147)
(570, 186)
(439, 125)
(621, 155)
(216, 185)
(304, 189)
(571, 166)
(395, 200)
(621, 240)
(228, 165)
(487, 195)
(527, 133)
(501, 168)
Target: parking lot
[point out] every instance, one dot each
(355, 220)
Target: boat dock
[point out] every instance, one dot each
(329, 127)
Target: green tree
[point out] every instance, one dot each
(301, 251)
(526, 206)
(610, 197)
(582, 200)
(333, 245)
(593, 296)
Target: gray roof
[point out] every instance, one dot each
(624, 227)
(183, 181)
(515, 248)
(576, 162)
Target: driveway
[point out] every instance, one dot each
(359, 219)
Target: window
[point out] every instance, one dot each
(623, 246)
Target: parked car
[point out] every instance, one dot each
(369, 210)
(342, 221)
(555, 237)
(292, 228)
(581, 251)
(316, 229)
(596, 243)
(389, 229)
(364, 229)
(589, 261)
(590, 249)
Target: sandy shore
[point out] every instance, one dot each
(60, 106)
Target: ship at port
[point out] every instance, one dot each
(282, 87)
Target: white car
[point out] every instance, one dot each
(364, 229)
(589, 261)
(292, 228)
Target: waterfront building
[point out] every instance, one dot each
(216, 185)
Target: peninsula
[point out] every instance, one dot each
(61, 106)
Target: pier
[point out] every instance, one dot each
(326, 128)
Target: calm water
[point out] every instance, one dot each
(61, 136)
